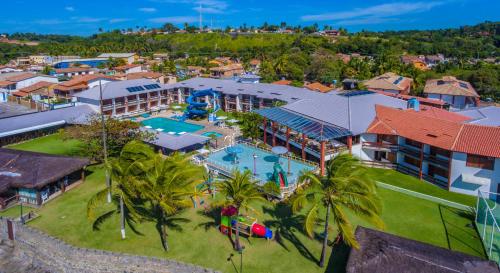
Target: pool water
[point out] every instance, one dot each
(264, 163)
(169, 125)
(208, 134)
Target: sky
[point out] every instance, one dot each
(85, 17)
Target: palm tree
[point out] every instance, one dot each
(169, 186)
(239, 191)
(125, 172)
(345, 186)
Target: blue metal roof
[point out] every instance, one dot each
(313, 129)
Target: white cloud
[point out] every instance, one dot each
(119, 20)
(210, 6)
(174, 19)
(49, 22)
(69, 8)
(87, 19)
(374, 13)
(149, 10)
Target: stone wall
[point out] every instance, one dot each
(41, 251)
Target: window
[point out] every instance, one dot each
(439, 151)
(356, 139)
(481, 162)
(434, 170)
(412, 143)
(412, 161)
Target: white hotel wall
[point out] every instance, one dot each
(458, 167)
(364, 154)
(31, 81)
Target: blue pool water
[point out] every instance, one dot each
(170, 125)
(208, 134)
(265, 162)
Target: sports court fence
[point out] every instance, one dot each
(487, 219)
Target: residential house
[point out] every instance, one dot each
(282, 82)
(227, 71)
(38, 91)
(79, 83)
(35, 178)
(26, 79)
(417, 61)
(318, 87)
(129, 58)
(6, 87)
(155, 76)
(390, 82)
(40, 59)
(423, 101)
(458, 94)
(254, 65)
(433, 60)
(194, 71)
(23, 61)
(74, 71)
(8, 69)
(440, 147)
(488, 115)
(129, 68)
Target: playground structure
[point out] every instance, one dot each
(199, 109)
(279, 175)
(247, 225)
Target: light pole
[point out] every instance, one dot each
(241, 258)
(104, 145)
(255, 164)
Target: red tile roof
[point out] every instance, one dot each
(442, 114)
(36, 86)
(283, 82)
(6, 83)
(479, 140)
(443, 133)
(413, 125)
(316, 86)
(21, 77)
(143, 75)
(127, 66)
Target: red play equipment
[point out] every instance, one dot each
(247, 224)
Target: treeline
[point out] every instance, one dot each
(300, 56)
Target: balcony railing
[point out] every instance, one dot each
(380, 146)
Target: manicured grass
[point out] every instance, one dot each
(15, 211)
(198, 241)
(411, 183)
(52, 144)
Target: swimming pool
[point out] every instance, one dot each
(169, 125)
(264, 163)
(209, 134)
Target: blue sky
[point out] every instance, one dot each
(85, 17)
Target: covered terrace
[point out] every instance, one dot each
(310, 135)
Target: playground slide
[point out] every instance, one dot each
(279, 175)
(262, 231)
(198, 108)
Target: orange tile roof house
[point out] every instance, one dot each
(436, 146)
(282, 82)
(459, 94)
(227, 71)
(390, 82)
(129, 68)
(43, 89)
(316, 86)
(80, 83)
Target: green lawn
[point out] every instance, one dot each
(15, 211)
(52, 144)
(200, 243)
(411, 183)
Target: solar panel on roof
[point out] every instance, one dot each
(356, 93)
(463, 85)
(151, 86)
(135, 88)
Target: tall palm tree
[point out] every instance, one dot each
(169, 186)
(239, 191)
(125, 172)
(345, 186)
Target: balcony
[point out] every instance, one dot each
(107, 107)
(380, 146)
(438, 160)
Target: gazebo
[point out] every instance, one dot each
(309, 128)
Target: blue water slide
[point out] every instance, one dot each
(199, 108)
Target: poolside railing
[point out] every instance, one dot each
(291, 155)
